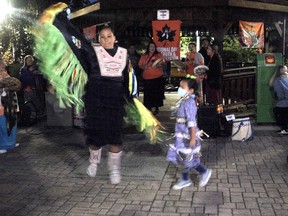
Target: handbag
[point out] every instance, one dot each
(242, 130)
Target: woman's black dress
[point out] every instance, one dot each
(104, 106)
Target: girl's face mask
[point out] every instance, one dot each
(181, 92)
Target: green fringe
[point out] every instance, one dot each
(59, 65)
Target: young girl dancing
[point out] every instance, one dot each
(186, 150)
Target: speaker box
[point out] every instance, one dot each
(57, 116)
(208, 120)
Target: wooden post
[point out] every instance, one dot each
(284, 38)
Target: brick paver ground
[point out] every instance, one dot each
(38, 178)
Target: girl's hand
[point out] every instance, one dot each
(192, 142)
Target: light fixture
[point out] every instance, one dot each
(5, 9)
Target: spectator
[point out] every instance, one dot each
(134, 58)
(193, 59)
(280, 86)
(152, 75)
(213, 83)
(203, 50)
(27, 77)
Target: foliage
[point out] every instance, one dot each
(234, 52)
(15, 38)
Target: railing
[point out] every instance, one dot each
(239, 84)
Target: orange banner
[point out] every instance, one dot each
(166, 36)
(252, 34)
(90, 32)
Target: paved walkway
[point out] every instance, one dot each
(45, 175)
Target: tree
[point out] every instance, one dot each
(234, 52)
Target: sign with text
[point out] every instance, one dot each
(163, 15)
(166, 36)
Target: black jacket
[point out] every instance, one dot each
(214, 74)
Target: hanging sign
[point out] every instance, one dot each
(252, 34)
(166, 36)
(163, 14)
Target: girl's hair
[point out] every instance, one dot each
(278, 72)
(192, 83)
(25, 59)
(147, 49)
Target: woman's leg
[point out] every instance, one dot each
(114, 163)
(94, 159)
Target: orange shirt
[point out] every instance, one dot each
(149, 72)
(194, 59)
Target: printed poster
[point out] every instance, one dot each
(166, 36)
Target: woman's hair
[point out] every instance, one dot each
(147, 49)
(214, 48)
(278, 72)
(25, 59)
(106, 27)
(192, 43)
(192, 83)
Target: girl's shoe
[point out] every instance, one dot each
(204, 178)
(181, 184)
(3, 151)
(283, 132)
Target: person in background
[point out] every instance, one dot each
(280, 110)
(134, 58)
(8, 110)
(152, 76)
(193, 59)
(213, 83)
(203, 50)
(27, 77)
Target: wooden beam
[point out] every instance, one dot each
(258, 5)
(85, 10)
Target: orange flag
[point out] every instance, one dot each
(166, 36)
(252, 34)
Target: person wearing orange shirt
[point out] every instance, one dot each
(152, 76)
(193, 58)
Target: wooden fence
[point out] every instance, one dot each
(239, 84)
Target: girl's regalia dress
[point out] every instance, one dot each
(186, 111)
